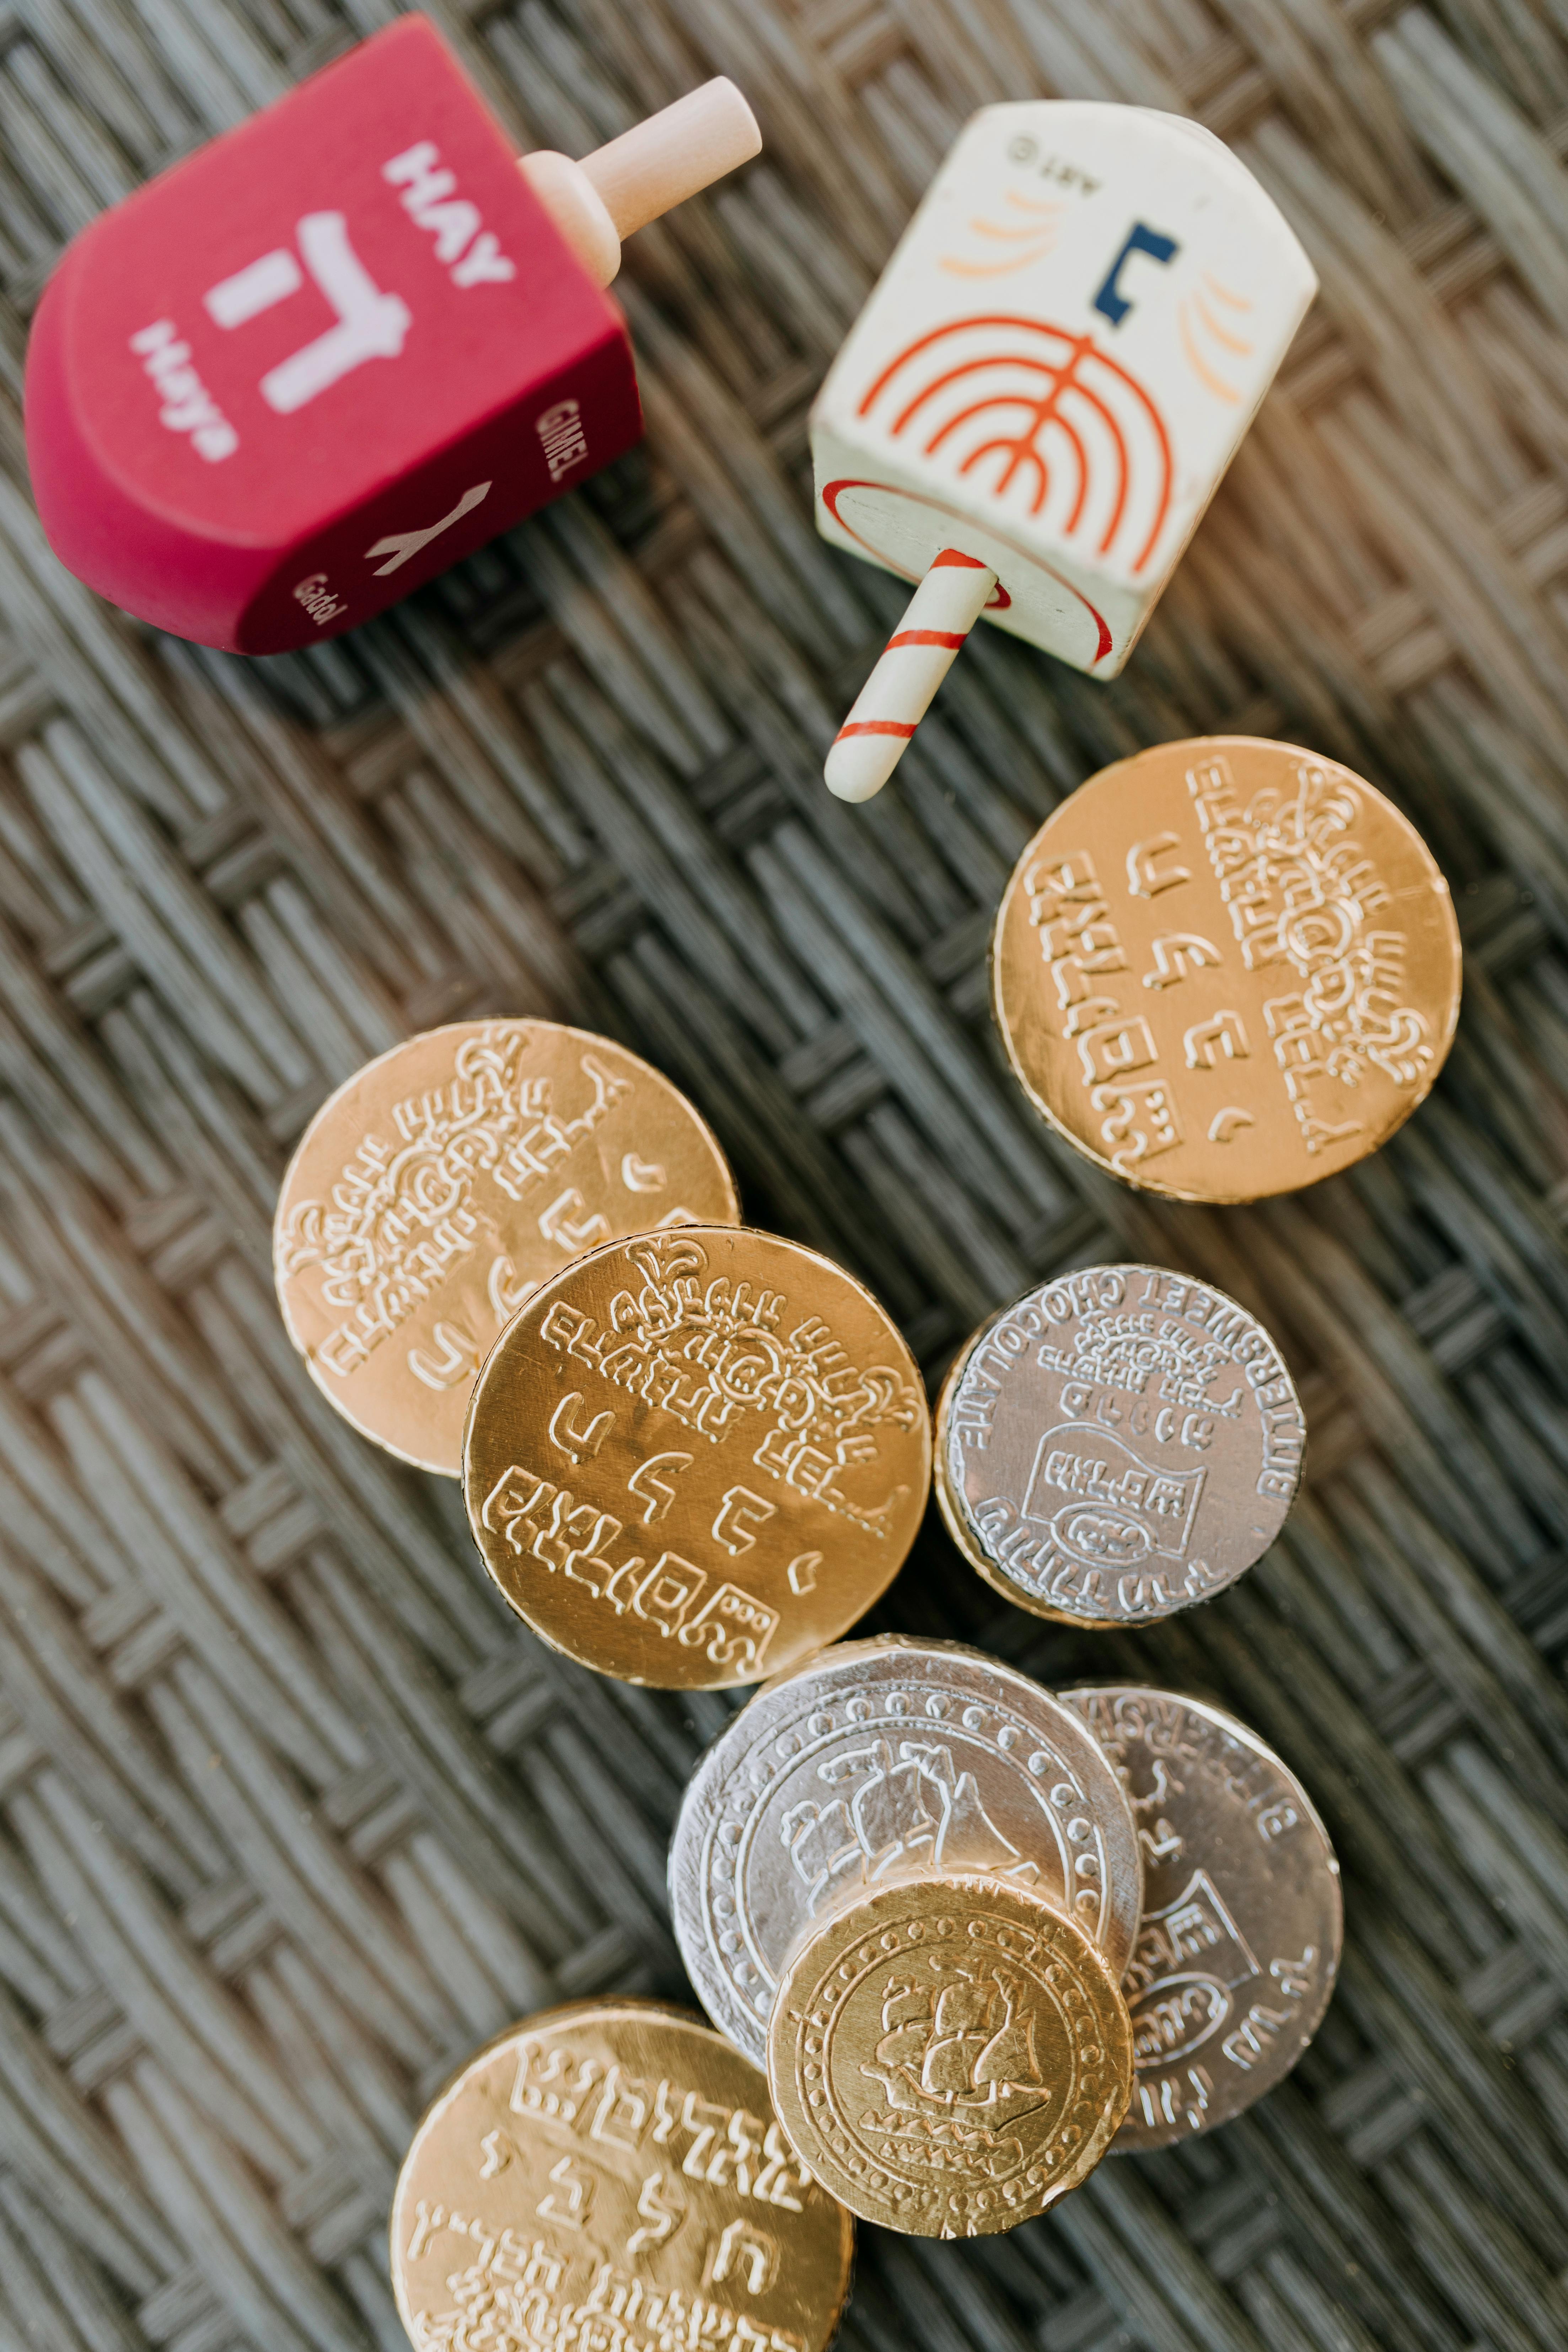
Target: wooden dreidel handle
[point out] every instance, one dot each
(646, 172)
(915, 660)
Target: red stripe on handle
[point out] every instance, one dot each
(874, 727)
(952, 638)
(950, 555)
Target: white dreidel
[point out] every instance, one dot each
(1050, 379)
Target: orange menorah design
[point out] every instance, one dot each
(1080, 425)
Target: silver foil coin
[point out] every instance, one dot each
(1236, 1959)
(880, 1759)
(1117, 1444)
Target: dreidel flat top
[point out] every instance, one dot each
(338, 349)
(1049, 380)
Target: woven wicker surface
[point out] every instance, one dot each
(292, 1813)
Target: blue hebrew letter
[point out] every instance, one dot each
(1140, 239)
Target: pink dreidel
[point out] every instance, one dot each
(344, 345)
(1041, 395)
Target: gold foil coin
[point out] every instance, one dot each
(443, 1182)
(950, 2057)
(610, 2175)
(1225, 968)
(695, 1455)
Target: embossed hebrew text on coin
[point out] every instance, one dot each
(1225, 968)
(445, 1181)
(1235, 1959)
(610, 2175)
(948, 2056)
(696, 1455)
(879, 1760)
(1117, 1444)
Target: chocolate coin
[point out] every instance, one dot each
(694, 1456)
(948, 2056)
(443, 1182)
(1235, 1959)
(1225, 968)
(611, 2174)
(878, 1759)
(1116, 1444)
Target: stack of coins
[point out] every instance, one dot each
(909, 1879)
(876, 1760)
(692, 1452)
(982, 1934)
(977, 1934)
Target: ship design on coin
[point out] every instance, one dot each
(914, 1806)
(876, 1759)
(962, 2049)
(950, 2057)
(611, 2174)
(1225, 968)
(693, 1456)
(1117, 1444)
(1236, 1959)
(441, 1183)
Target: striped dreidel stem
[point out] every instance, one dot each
(918, 657)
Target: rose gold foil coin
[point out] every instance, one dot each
(693, 1456)
(1225, 968)
(609, 2178)
(448, 1179)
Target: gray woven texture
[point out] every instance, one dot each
(292, 1812)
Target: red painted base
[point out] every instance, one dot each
(326, 357)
